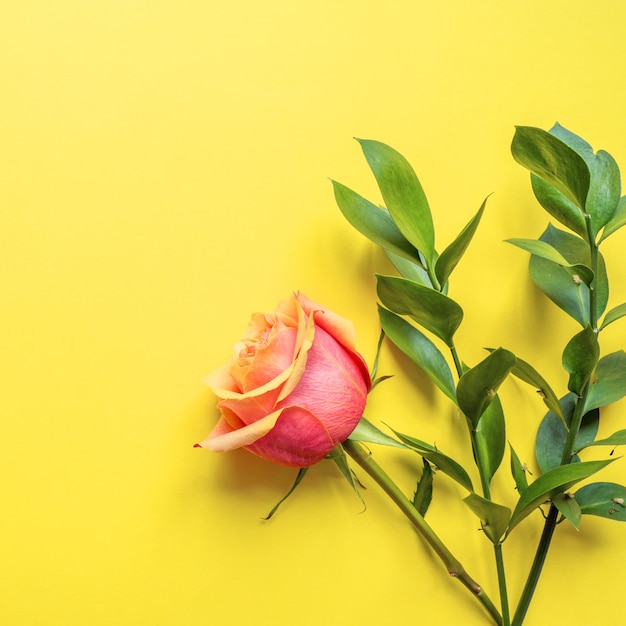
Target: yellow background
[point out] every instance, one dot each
(164, 172)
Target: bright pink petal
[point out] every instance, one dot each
(298, 439)
(333, 387)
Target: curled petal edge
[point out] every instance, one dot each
(224, 438)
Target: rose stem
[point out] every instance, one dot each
(454, 567)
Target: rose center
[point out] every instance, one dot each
(257, 336)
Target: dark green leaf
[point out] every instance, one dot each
(605, 184)
(552, 434)
(560, 284)
(494, 517)
(455, 251)
(568, 508)
(518, 471)
(443, 462)
(479, 385)
(424, 491)
(552, 160)
(433, 310)
(614, 314)
(609, 384)
(366, 432)
(490, 438)
(617, 221)
(373, 222)
(419, 349)
(603, 499)
(301, 472)
(403, 196)
(604, 192)
(580, 358)
(551, 483)
(543, 250)
(574, 141)
(559, 206)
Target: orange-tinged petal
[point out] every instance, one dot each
(224, 438)
(271, 360)
(339, 327)
(272, 385)
(299, 364)
(221, 382)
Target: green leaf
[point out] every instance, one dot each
(301, 472)
(614, 314)
(494, 517)
(544, 250)
(403, 196)
(568, 508)
(617, 221)
(424, 491)
(490, 438)
(608, 385)
(409, 269)
(479, 385)
(552, 434)
(454, 252)
(526, 372)
(558, 282)
(366, 432)
(433, 310)
(616, 439)
(551, 483)
(373, 222)
(554, 161)
(443, 462)
(580, 358)
(338, 455)
(559, 206)
(419, 349)
(518, 471)
(604, 193)
(605, 184)
(604, 500)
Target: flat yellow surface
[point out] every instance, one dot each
(164, 172)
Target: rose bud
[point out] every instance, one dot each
(294, 388)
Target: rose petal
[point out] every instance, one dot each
(271, 360)
(333, 387)
(224, 438)
(272, 385)
(299, 364)
(298, 439)
(339, 327)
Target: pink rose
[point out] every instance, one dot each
(294, 388)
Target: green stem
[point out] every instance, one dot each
(454, 567)
(484, 480)
(499, 557)
(568, 451)
(537, 566)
